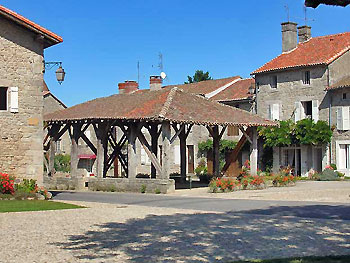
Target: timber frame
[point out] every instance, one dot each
(109, 145)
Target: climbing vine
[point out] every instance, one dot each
(305, 132)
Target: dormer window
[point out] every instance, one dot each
(306, 78)
(274, 82)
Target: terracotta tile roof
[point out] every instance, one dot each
(205, 87)
(316, 51)
(237, 91)
(173, 105)
(54, 39)
(343, 83)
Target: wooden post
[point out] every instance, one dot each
(132, 155)
(183, 154)
(100, 130)
(216, 151)
(254, 152)
(154, 147)
(74, 150)
(166, 137)
(52, 153)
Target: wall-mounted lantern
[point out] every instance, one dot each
(60, 74)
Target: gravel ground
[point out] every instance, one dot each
(115, 233)
(337, 192)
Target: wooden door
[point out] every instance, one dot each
(190, 159)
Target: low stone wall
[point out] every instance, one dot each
(65, 183)
(131, 185)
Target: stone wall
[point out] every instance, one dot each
(290, 89)
(21, 134)
(131, 185)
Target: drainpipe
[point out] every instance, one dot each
(330, 116)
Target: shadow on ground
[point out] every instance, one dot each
(275, 232)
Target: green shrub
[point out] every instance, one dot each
(334, 166)
(62, 163)
(329, 174)
(26, 185)
(157, 191)
(143, 189)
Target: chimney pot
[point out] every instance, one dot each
(155, 83)
(289, 36)
(304, 33)
(127, 87)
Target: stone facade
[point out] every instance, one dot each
(290, 91)
(21, 66)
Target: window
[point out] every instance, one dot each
(307, 105)
(274, 112)
(59, 147)
(306, 109)
(274, 82)
(306, 78)
(232, 131)
(344, 96)
(344, 156)
(343, 118)
(3, 98)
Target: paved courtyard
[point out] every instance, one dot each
(120, 227)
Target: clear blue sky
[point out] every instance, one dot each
(103, 40)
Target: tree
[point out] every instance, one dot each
(198, 76)
(315, 3)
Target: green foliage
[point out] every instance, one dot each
(207, 146)
(278, 136)
(305, 132)
(62, 163)
(198, 76)
(334, 166)
(157, 191)
(201, 168)
(143, 188)
(26, 186)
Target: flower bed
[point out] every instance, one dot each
(230, 184)
(26, 189)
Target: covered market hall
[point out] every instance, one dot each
(168, 113)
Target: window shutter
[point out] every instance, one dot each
(14, 99)
(346, 118)
(297, 111)
(315, 110)
(275, 111)
(269, 112)
(339, 119)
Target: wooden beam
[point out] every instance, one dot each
(149, 152)
(222, 132)
(166, 135)
(89, 143)
(246, 135)
(254, 152)
(176, 134)
(189, 130)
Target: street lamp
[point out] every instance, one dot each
(60, 74)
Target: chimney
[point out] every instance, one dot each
(289, 36)
(155, 83)
(129, 86)
(304, 33)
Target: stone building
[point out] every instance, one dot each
(232, 91)
(294, 86)
(22, 45)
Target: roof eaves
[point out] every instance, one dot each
(288, 67)
(30, 25)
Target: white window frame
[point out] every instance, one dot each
(274, 111)
(345, 170)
